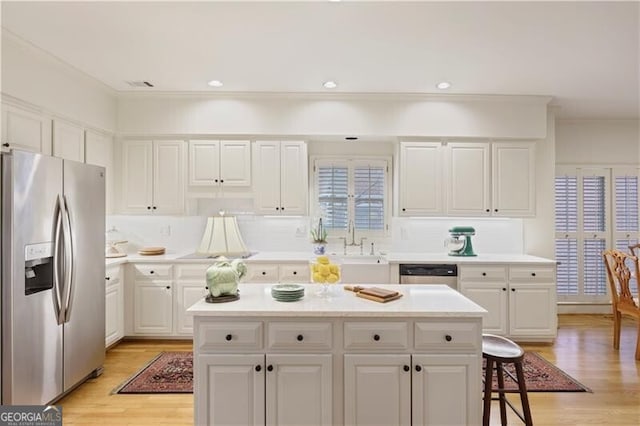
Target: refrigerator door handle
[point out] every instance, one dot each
(57, 277)
(68, 259)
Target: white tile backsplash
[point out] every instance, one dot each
(266, 233)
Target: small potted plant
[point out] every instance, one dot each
(319, 237)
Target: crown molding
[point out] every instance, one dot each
(339, 96)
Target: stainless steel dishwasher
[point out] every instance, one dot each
(429, 273)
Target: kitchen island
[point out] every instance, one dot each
(338, 360)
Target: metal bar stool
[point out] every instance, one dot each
(499, 350)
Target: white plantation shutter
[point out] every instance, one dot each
(626, 203)
(353, 191)
(369, 182)
(333, 189)
(567, 270)
(583, 231)
(626, 224)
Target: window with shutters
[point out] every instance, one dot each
(352, 192)
(595, 209)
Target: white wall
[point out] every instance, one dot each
(539, 231)
(522, 117)
(597, 142)
(35, 77)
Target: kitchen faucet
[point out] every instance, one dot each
(351, 229)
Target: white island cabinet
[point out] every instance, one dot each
(341, 360)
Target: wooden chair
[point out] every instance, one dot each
(635, 250)
(622, 300)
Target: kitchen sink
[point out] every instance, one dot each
(356, 259)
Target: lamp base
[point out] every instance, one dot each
(222, 299)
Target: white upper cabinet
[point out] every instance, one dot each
(281, 177)
(68, 141)
(25, 130)
(153, 177)
(420, 178)
(99, 151)
(468, 174)
(214, 163)
(513, 178)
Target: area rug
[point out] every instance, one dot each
(169, 372)
(540, 376)
(172, 372)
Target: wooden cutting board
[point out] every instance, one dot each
(151, 251)
(374, 293)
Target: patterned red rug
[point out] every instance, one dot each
(540, 376)
(172, 372)
(169, 372)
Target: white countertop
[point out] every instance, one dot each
(397, 257)
(392, 257)
(417, 301)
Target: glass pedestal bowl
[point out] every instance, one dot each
(325, 272)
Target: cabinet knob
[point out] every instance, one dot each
(206, 287)
(281, 208)
(495, 210)
(406, 368)
(277, 208)
(221, 180)
(269, 367)
(6, 144)
(264, 273)
(295, 272)
(107, 278)
(448, 338)
(484, 274)
(504, 289)
(418, 368)
(258, 368)
(533, 274)
(300, 337)
(168, 287)
(154, 207)
(215, 180)
(148, 207)
(376, 337)
(488, 210)
(228, 337)
(404, 210)
(513, 289)
(151, 272)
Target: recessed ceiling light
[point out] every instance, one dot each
(215, 83)
(330, 84)
(443, 85)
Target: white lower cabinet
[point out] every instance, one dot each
(160, 300)
(377, 390)
(273, 272)
(114, 306)
(444, 389)
(236, 389)
(153, 307)
(299, 389)
(304, 371)
(520, 300)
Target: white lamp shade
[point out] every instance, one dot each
(222, 238)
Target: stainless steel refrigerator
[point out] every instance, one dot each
(52, 276)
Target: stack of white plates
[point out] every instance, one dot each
(287, 292)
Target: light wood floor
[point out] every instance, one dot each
(583, 349)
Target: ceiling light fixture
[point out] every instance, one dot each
(330, 84)
(215, 83)
(443, 85)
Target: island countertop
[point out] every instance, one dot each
(417, 301)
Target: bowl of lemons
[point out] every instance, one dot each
(325, 272)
